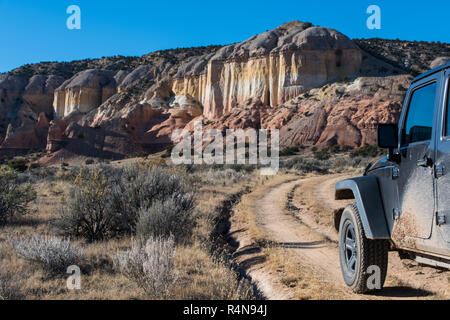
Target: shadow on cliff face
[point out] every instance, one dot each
(91, 142)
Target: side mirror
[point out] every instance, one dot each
(387, 137)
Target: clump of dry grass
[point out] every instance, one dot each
(204, 278)
(307, 283)
(9, 287)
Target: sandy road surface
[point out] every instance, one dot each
(313, 244)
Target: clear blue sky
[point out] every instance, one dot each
(35, 30)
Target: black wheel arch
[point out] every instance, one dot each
(366, 192)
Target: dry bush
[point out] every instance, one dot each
(88, 212)
(226, 176)
(52, 254)
(14, 197)
(139, 187)
(9, 288)
(106, 202)
(172, 217)
(151, 266)
(307, 165)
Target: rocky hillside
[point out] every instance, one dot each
(345, 113)
(414, 57)
(314, 83)
(37, 91)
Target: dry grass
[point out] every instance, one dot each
(204, 278)
(202, 275)
(307, 283)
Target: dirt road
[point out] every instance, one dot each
(296, 216)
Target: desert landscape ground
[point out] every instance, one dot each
(247, 236)
(87, 178)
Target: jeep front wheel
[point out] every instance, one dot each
(363, 261)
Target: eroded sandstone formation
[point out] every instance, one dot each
(25, 107)
(87, 90)
(273, 67)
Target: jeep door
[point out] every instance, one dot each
(443, 165)
(415, 180)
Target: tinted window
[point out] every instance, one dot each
(419, 121)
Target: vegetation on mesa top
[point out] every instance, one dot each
(116, 63)
(412, 56)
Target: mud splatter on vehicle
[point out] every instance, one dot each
(416, 212)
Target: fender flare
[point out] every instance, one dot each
(365, 190)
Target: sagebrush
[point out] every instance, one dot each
(150, 265)
(54, 255)
(106, 202)
(172, 217)
(14, 197)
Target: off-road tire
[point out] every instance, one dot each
(369, 253)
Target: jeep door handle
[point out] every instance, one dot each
(425, 162)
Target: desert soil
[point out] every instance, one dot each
(296, 215)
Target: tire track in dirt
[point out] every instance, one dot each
(301, 235)
(289, 233)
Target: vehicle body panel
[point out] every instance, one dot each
(443, 163)
(416, 183)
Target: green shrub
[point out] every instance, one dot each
(367, 151)
(307, 165)
(88, 213)
(334, 148)
(34, 165)
(346, 148)
(19, 165)
(167, 152)
(14, 197)
(89, 161)
(323, 154)
(288, 151)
